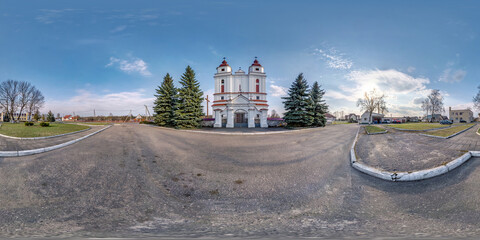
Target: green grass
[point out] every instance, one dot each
(94, 123)
(341, 122)
(417, 126)
(20, 130)
(374, 129)
(478, 130)
(449, 131)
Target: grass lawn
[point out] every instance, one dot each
(478, 130)
(20, 130)
(94, 123)
(449, 131)
(374, 129)
(340, 122)
(417, 126)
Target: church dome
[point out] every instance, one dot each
(256, 63)
(224, 63)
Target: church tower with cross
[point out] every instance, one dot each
(240, 99)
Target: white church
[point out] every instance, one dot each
(240, 99)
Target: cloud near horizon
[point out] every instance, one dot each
(400, 90)
(119, 103)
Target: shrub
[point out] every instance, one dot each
(28, 124)
(44, 124)
(146, 122)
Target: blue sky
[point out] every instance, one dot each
(111, 55)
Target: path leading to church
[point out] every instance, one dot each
(142, 181)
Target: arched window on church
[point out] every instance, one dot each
(258, 85)
(223, 86)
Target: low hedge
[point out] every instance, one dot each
(44, 124)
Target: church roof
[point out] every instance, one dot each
(256, 63)
(224, 63)
(240, 71)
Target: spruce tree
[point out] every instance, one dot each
(166, 103)
(318, 107)
(50, 117)
(190, 111)
(297, 104)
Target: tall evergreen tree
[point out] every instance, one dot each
(190, 109)
(50, 117)
(166, 103)
(297, 104)
(318, 106)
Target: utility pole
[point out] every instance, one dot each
(206, 99)
(94, 113)
(147, 113)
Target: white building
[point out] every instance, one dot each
(376, 118)
(240, 99)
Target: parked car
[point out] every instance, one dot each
(386, 121)
(446, 122)
(396, 121)
(463, 121)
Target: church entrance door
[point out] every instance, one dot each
(240, 120)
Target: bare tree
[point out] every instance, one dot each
(372, 101)
(25, 91)
(15, 95)
(36, 101)
(476, 100)
(426, 106)
(436, 103)
(8, 97)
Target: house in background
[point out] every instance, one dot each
(376, 118)
(23, 117)
(352, 117)
(69, 118)
(434, 118)
(462, 114)
(330, 118)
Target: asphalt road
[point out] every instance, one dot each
(132, 181)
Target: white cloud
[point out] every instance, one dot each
(134, 65)
(332, 94)
(334, 59)
(278, 91)
(451, 76)
(411, 69)
(118, 103)
(401, 90)
(118, 29)
(388, 81)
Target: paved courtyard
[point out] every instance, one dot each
(132, 181)
(409, 151)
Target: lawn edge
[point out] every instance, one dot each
(38, 138)
(47, 149)
(453, 135)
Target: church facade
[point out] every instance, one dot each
(240, 99)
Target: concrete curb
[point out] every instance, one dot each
(408, 176)
(410, 130)
(46, 149)
(90, 125)
(376, 132)
(38, 138)
(227, 133)
(453, 135)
